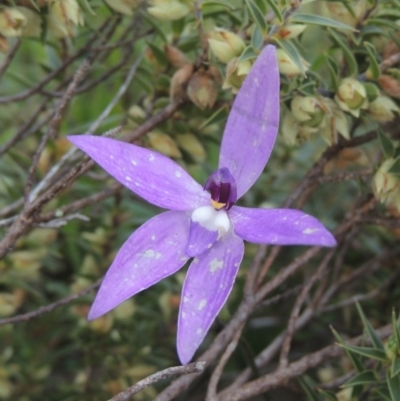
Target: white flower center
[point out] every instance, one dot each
(212, 220)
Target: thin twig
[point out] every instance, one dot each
(9, 57)
(196, 367)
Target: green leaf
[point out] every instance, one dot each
(383, 391)
(86, 6)
(257, 15)
(394, 386)
(158, 54)
(366, 377)
(376, 341)
(178, 26)
(373, 63)
(257, 39)
(396, 329)
(292, 52)
(347, 52)
(311, 395)
(218, 3)
(395, 169)
(220, 115)
(386, 144)
(275, 10)
(318, 20)
(395, 368)
(382, 22)
(371, 353)
(353, 358)
(329, 395)
(248, 54)
(333, 71)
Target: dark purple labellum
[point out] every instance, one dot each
(222, 187)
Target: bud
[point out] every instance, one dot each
(192, 145)
(125, 7)
(386, 185)
(202, 90)
(179, 82)
(176, 57)
(307, 110)
(12, 22)
(351, 96)
(33, 22)
(290, 31)
(391, 349)
(345, 394)
(287, 66)
(372, 91)
(390, 85)
(164, 144)
(63, 16)
(236, 72)
(289, 128)
(341, 13)
(382, 109)
(225, 45)
(335, 122)
(168, 9)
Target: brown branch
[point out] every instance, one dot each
(191, 368)
(49, 308)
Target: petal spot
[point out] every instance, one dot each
(153, 237)
(185, 299)
(310, 230)
(127, 178)
(178, 174)
(199, 331)
(216, 264)
(202, 304)
(134, 162)
(150, 253)
(151, 157)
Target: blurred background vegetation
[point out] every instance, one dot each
(165, 73)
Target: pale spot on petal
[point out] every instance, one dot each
(310, 230)
(183, 315)
(151, 157)
(134, 162)
(199, 331)
(153, 237)
(185, 299)
(177, 174)
(202, 304)
(127, 178)
(216, 264)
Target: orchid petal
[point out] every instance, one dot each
(208, 283)
(279, 227)
(154, 251)
(149, 174)
(253, 123)
(200, 239)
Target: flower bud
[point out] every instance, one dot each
(289, 128)
(386, 185)
(351, 96)
(33, 22)
(236, 72)
(63, 16)
(307, 110)
(335, 122)
(180, 81)
(168, 9)
(164, 144)
(372, 91)
(202, 90)
(290, 31)
(12, 22)
(287, 66)
(382, 109)
(225, 45)
(125, 7)
(176, 57)
(390, 85)
(192, 145)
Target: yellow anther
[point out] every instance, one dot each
(217, 205)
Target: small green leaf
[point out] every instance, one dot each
(366, 377)
(372, 353)
(394, 386)
(257, 39)
(318, 20)
(396, 329)
(218, 3)
(178, 26)
(333, 71)
(376, 341)
(248, 54)
(158, 54)
(257, 15)
(275, 10)
(386, 144)
(353, 358)
(329, 395)
(86, 6)
(395, 169)
(347, 52)
(373, 63)
(395, 368)
(292, 52)
(220, 115)
(383, 391)
(312, 396)
(382, 22)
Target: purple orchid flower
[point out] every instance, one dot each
(202, 223)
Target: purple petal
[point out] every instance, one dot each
(253, 123)
(154, 251)
(280, 227)
(149, 174)
(200, 239)
(208, 283)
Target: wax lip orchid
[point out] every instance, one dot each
(202, 223)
